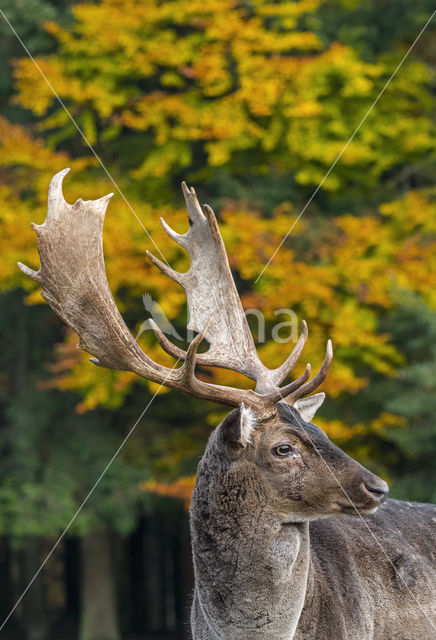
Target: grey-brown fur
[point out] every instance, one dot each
(270, 564)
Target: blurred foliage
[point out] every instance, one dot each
(180, 488)
(253, 101)
(190, 86)
(411, 394)
(28, 18)
(51, 456)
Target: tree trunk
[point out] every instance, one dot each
(34, 616)
(5, 578)
(99, 616)
(72, 577)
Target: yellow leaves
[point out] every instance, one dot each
(379, 254)
(218, 153)
(20, 149)
(15, 242)
(417, 140)
(33, 93)
(289, 10)
(36, 95)
(89, 127)
(231, 77)
(228, 68)
(340, 432)
(226, 77)
(414, 211)
(304, 109)
(386, 419)
(27, 165)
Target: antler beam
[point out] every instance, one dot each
(73, 281)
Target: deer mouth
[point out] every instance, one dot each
(357, 510)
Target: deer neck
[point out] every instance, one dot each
(251, 568)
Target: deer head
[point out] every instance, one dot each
(288, 465)
(73, 281)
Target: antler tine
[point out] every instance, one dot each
(316, 380)
(192, 204)
(174, 275)
(278, 375)
(177, 237)
(56, 200)
(175, 351)
(166, 344)
(284, 392)
(30, 273)
(188, 369)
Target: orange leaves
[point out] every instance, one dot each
(352, 273)
(20, 149)
(211, 70)
(71, 370)
(181, 488)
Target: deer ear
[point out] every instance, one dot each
(307, 407)
(247, 424)
(237, 429)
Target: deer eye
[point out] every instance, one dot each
(282, 451)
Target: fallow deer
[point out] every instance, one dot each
(291, 538)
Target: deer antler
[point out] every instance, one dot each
(211, 292)
(73, 281)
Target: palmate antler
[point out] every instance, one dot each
(73, 281)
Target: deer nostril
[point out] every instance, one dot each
(378, 490)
